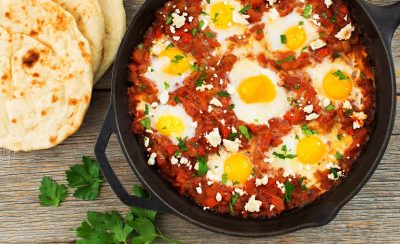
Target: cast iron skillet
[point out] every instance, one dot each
(377, 24)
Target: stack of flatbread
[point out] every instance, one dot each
(51, 54)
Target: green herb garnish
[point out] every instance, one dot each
(51, 193)
(245, 131)
(307, 131)
(203, 168)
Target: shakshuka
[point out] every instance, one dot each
(252, 107)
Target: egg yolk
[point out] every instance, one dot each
(221, 15)
(337, 87)
(310, 150)
(257, 89)
(237, 168)
(179, 62)
(170, 125)
(295, 37)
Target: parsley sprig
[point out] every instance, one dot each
(284, 154)
(51, 193)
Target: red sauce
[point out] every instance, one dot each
(201, 47)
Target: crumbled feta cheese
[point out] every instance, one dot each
(359, 118)
(172, 29)
(149, 131)
(240, 18)
(345, 32)
(317, 44)
(194, 124)
(146, 141)
(199, 190)
(152, 159)
(174, 160)
(184, 161)
(222, 121)
(216, 102)
(231, 146)
(308, 109)
(196, 166)
(326, 102)
(213, 137)
(312, 116)
(347, 105)
(332, 165)
(280, 186)
(239, 191)
(209, 182)
(204, 87)
(164, 97)
(205, 23)
(328, 3)
(233, 129)
(190, 19)
(271, 207)
(209, 109)
(262, 181)
(253, 205)
(345, 17)
(218, 197)
(268, 160)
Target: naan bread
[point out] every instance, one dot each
(115, 23)
(90, 20)
(45, 75)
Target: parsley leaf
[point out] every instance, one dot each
(307, 131)
(340, 75)
(232, 202)
(284, 154)
(85, 178)
(146, 123)
(245, 131)
(177, 59)
(209, 34)
(307, 11)
(245, 9)
(224, 179)
(200, 81)
(223, 94)
(330, 107)
(203, 167)
(288, 191)
(51, 193)
(182, 144)
(285, 60)
(233, 136)
(303, 187)
(338, 156)
(168, 21)
(334, 172)
(283, 39)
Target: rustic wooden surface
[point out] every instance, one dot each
(372, 216)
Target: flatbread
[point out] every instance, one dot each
(115, 23)
(46, 75)
(90, 20)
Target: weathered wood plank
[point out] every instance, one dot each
(371, 216)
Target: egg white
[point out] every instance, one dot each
(317, 74)
(276, 26)
(256, 113)
(293, 167)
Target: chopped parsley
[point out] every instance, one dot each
(284, 154)
(166, 85)
(307, 11)
(233, 201)
(307, 131)
(176, 99)
(146, 123)
(338, 156)
(303, 49)
(140, 46)
(285, 60)
(201, 24)
(182, 144)
(296, 86)
(288, 191)
(171, 45)
(142, 87)
(334, 172)
(245, 9)
(283, 39)
(233, 136)
(203, 168)
(146, 109)
(231, 106)
(245, 131)
(194, 31)
(215, 19)
(177, 59)
(200, 81)
(223, 94)
(303, 187)
(169, 20)
(339, 137)
(224, 179)
(347, 112)
(209, 34)
(301, 22)
(330, 107)
(324, 15)
(340, 75)
(336, 54)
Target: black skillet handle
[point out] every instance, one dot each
(109, 128)
(387, 19)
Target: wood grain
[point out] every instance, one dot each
(371, 217)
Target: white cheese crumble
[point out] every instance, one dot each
(164, 97)
(328, 3)
(213, 137)
(317, 44)
(240, 18)
(204, 87)
(218, 197)
(280, 186)
(231, 146)
(253, 205)
(146, 141)
(199, 190)
(176, 38)
(239, 191)
(230, 89)
(216, 102)
(345, 32)
(308, 109)
(262, 181)
(174, 160)
(312, 116)
(326, 102)
(347, 105)
(152, 159)
(209, 109)
(359, 119)
(271, 207)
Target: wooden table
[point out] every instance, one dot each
(372, 216)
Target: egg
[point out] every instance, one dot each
(229, 168)
(169, 66)
(289, 33)
(304, 154)
(335, 81)
(224, 18)
(171, 121)
(255, 93)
